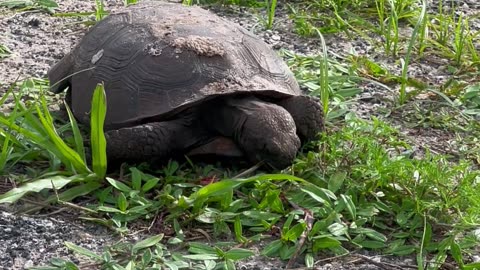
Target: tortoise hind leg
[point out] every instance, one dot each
(307, 113)
(155, 140)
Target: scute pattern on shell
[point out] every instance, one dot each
(158, 58)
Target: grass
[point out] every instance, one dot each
(358, 187)
(23, 5)
(4, 51)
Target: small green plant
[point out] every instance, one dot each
(47, 5)
(406, 61)
(129, 2)
(4, 51)
(34, 126)
(100, 12)
(271, 7)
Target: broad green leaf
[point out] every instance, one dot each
(229, 265)
(294, 232)
(309, 260)
(151, 241)
(287, 223)
(130, 266)
(336, 181)
(372, 234)
(403, 250)
(202, 257)
(35, 186)
(237, 227)
(171, 265)
(122, 203)
(216, 188)
(347, 200)
(367, 211)
(471, 266)
(273, 248)
(82, 251)
(338, 229)
(118, 185)
(97, 137)
(151, 183)
(238, 254)
(321, 195)
(200, 248)
(325, 242)
(260, 215)
(209, 264)
(178, 229)
(286, 251)
(228, 184)
(457, 253)
(136, 178)
(147, 257)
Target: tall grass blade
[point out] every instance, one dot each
(460, 37)
(35, 186)
(7, 149)
(99, 144)
(79, 147)
(406, 62)
(271, 12)
(71, 158)
(324, 87)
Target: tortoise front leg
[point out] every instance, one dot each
(152, 140)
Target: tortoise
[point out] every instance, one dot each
(181, 79)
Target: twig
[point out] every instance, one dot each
(248, 171)
(204, 233)
(383, 265)
(309, 221)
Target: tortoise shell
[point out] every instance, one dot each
(156, 59)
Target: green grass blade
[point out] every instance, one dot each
(271, 12)
(416, 30)
(68, 155)
(324, 86)
(7, 149)
(82, 251)
(99, 144)
(76, 133)
(35, 186)
(39, 140)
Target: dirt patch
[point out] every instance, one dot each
(199, 45)
(28, 241)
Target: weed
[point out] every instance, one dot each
(129, 2)
(271, 7)
(4, 51)
(347, 195)
(406, 61)
(100, 12)
(34, 126)
(22, 5)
